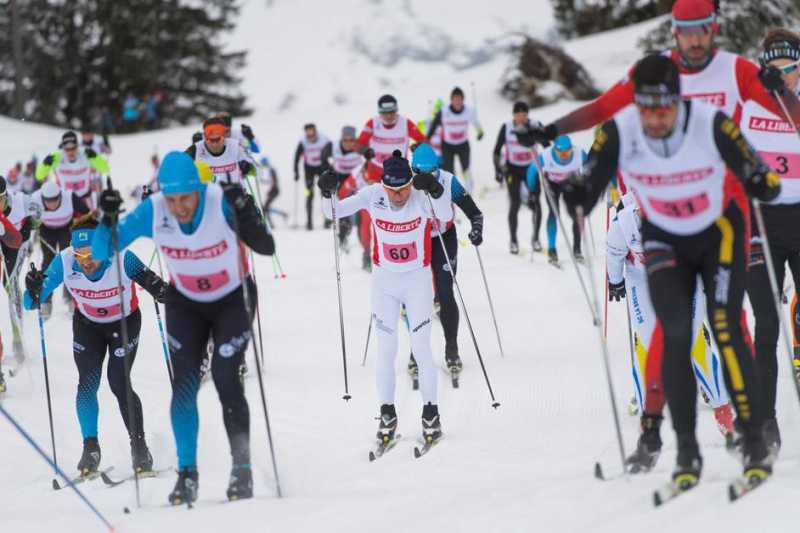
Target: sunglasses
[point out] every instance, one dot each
(214, 140)
(82, 255)
(70, 148)
(788, 69)
(698, 29)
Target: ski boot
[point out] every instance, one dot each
(90, 459)
(387, 427)
(453, 362)
(141, 458)
(413, 371)
(689, 464)
(240, 484)
(758, 459)
(3, 386)
(513, 247)
(536, 245)
(552, 256)
(185, 490)
(578, 255)
(772, 438)
(724, 417)
(431, 424)
(648, 447)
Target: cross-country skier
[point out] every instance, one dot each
(268, 175)
(310, 150)
(424, 160)
(11, 239)
(688, 166)
(401, 276)
(627, 278)
(557, 163)
(347, 162)
(94, 286)
(28, 177)
(244, 135)
(90, 140)
(224, 156)
(707, 73)
(74, 168)
(777, 143)
(511, 167)
(53, 211)
(192, 223)
(454, 121)
(13, 181)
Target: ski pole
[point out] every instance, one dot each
(35, 446)
(603, 344)
(276, 262)
(295, 224)
(491, 305)
(335, 231)
(54, 462)
(258, 311)
(123, 328)
(247, 309)
(164, 346)
(366, 346)
(605, 283)
(773, 282)
(495, 403)
(551, 201)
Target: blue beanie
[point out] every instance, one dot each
(396, 172)
(178, 174)
(82, 237)
(424, 159)
(563, 143)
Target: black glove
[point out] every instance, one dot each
(425, 181)
(91, 154)
(234, 194)
(772, 79)
(146, 191)
(499, 174)
(245, 167)
(48, 160)
(534, 133)
(616, 291)
(763, 184)
(576, 192)
(247, 132)
(476, 233)
(368, 153)
(33, 282)
(163, 291)
(197, 137)
(110, 204)
(328, 182)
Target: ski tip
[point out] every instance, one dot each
(598, 472)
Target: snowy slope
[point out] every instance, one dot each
(524, 467)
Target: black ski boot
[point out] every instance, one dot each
(513, 247)
(90, 459)
(578, 255)
(772, 437)
(185, 490)
(387, 428)
(141, 458)
(240, 484)
(552, 256)
(758, 458)
(648, 448)
(431, 424)
(536, 245)
(689, 464)
(452, 359)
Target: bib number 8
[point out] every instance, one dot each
(204, 283)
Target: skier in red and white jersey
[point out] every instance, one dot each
(310, 149)
(403, 219)
(778, 145)
(347, 163)
(707, 73)
(384, 134)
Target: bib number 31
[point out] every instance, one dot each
(400, 253)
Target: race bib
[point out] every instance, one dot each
(787, 166)
(204, 283)
(457, 135)
(400, 253)
(681, 208)
(75, 185)
(521, 157)
(102, 312)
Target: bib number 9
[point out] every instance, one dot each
(102, 312)
(400, 253)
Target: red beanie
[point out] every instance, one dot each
(693, 11)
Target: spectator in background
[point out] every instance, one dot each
(130, 112)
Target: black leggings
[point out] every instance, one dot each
(443, 283)
(90, 342)
(717, 254)
(517, 175)
(783, 232)
(310, 174)
(189, 326)
(53, 241)
(449, 153)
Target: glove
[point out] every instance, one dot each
(772, 79)
(110, 204)
(500, 174)
(476, 232)
(425, 181)
(534, 133)
(246, 167)
(33, 282)
(91, 154)
(480, 134)
(163, 291)
(368, 153)
(234, 194)
(576, 192)
(616, 291)
(48, 160)
(247, 132)
(197, 137)
(328, 183)
(763, 184)
(146, 191)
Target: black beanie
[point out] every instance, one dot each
(520, 107)
(396, 170)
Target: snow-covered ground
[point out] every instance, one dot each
(526, 466)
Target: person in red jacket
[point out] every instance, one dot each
(707, 73)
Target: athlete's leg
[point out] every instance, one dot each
(386, 313)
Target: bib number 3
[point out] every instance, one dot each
(400, 253)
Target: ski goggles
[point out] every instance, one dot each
(656, 101)
(788, 68)
(688, 28)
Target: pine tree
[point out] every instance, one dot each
(584, 17)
